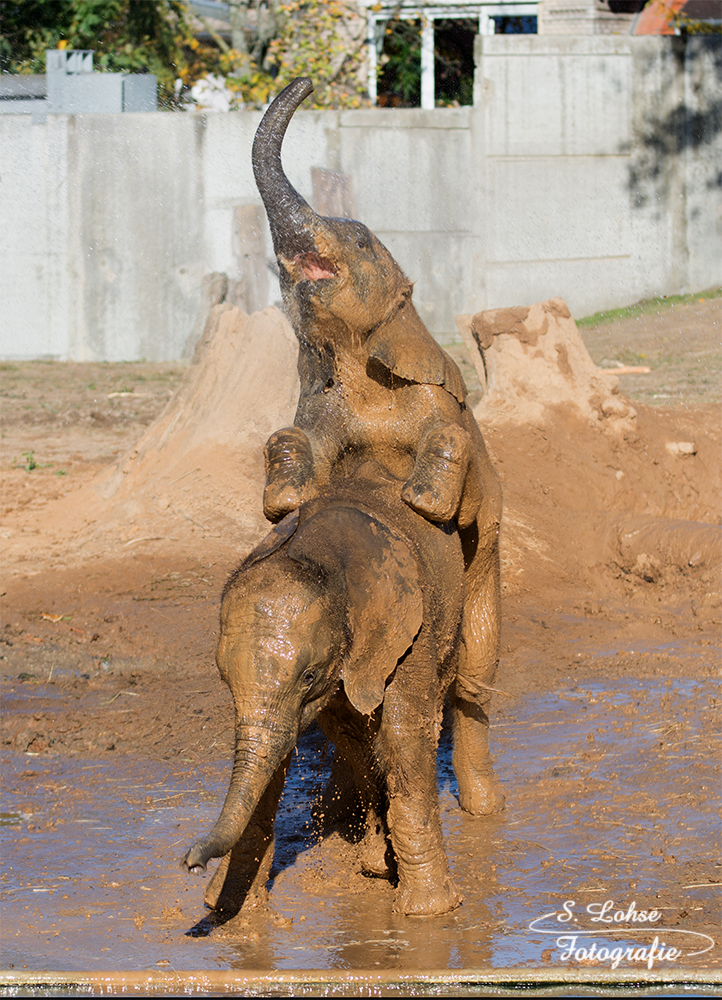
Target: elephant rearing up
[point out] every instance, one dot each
(376, 386)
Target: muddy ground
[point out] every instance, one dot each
(117, 732)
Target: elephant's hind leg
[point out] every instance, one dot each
(353, 800)
(340, 805)
(377, 855)
(479, 790)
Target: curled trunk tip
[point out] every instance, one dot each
(288, 213)
(194, 861)
(266, 152)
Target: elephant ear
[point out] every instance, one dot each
(405, 347)
(385, 606)
(284, 530)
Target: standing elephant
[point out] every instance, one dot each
(348, 612)
(376, 386)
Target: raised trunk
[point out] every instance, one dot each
(288, 214)
(259, 752)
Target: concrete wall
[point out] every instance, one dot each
(588, 168)
(609, 150)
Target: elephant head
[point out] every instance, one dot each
(339, 282)
(306, 612)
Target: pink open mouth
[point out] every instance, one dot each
(314, 266)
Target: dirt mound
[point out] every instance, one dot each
(532, 358)
(197, 472)
(596, 491)
(202, 461)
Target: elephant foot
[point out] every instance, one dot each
(479, 790)
(215, 886)
(434, 490)
(289, 473)
(428, 900)
(235, 927)
(481, 795)
(231, 908)
(227, 893)
(251, 923)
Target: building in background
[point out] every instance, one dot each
(434, 45)
(422, 54)
(446, 29)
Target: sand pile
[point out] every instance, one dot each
(531, 359)
(201, 462)
(593, 486)
(197, 473)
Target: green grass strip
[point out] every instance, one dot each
(647, 306)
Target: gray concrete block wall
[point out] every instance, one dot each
(34, 279)
(135, 237)
(555, 123)
(703, 161)
(674, 178)
(578, 135)
(570, 176)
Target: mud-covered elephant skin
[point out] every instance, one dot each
(349, 612)
(376, 386)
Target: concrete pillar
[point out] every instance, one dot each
(427, 63)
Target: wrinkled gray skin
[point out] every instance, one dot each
(376, 386)
(306, 634)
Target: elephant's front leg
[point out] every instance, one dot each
(408, 749)
(437, 483)
(290, 478)
(239, 883)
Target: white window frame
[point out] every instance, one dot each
(377, 14)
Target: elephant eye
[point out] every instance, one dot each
(308, 678)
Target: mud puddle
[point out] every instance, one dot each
(612, 795)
